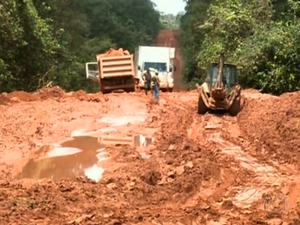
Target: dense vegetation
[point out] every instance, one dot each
(170, 21)
(50, 40)
(261, 37)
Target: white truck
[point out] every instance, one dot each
(157, 59)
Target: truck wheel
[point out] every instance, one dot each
(130, 89)
(202, 109)
(170, 89)
(235, 107)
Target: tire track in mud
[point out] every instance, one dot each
(266, 177)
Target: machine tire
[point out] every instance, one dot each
(202, 109)
(170, 89)
(130, 90)
(235, 107)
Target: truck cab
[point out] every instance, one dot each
(157, 59)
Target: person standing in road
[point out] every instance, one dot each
(155, 87)
(147, 80)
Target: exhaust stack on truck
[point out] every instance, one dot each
(114, 70)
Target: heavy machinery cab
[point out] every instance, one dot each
(229, 76)
(220, 91)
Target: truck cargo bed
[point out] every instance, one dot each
(116, 66)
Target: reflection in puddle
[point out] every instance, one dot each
(142, 141)
(94, 173)
(77, 157)
(62, 151)
(81, 132)
(120, 121)
(84, 132)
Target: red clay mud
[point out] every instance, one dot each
(274, 126)
(183, 177)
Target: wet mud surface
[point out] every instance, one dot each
(74, 158)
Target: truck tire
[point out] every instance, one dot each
(235, 107)
(130, 89)
(202, 109)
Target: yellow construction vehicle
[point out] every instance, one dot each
(220, 91)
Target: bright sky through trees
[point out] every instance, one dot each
(170, 6)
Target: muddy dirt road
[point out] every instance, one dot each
(169, 38)
(74, 158)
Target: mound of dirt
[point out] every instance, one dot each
(185, 163)
(272, 124)
(49, 93)
(83, 96)
(4, 99)
(42, 94)
(23, 96)
(50, 202)
(54, 92)
(112, 52)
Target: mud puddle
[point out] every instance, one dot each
(139, 117)
(112, 123)
(266, 176)
(84, 154)
(79, 156)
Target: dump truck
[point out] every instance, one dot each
(156, 59)
(113, 70)
(220, 91)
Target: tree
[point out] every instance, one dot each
(170, 21)
(259, 36)
(27, 47)
(50, 40)
(191, 37)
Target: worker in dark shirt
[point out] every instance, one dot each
(147, 80)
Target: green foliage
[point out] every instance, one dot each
(170, 21)
(50, 40)
(27, 46)
(261, 37)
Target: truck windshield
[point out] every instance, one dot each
(160, 67)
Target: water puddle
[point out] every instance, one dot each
(62, 151)
(266, 176)
(78, 156)
(85, 132)
(84, 154)
(124, 120)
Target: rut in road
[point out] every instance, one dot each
(209, 128)
(266, 177)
